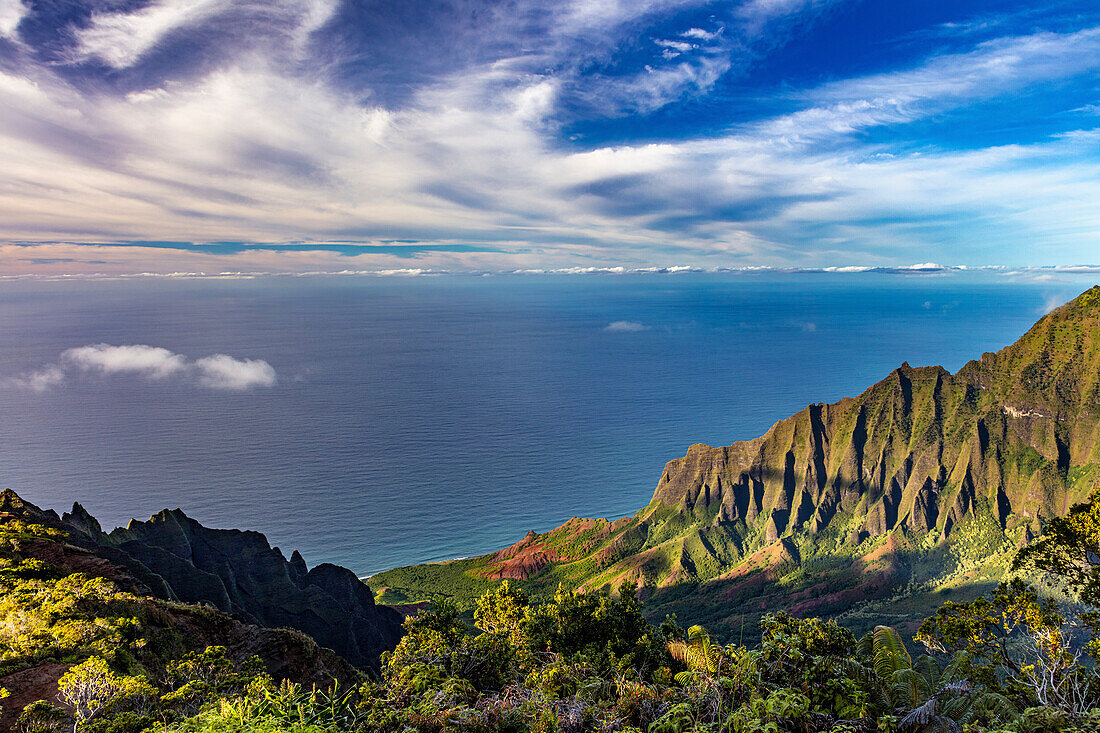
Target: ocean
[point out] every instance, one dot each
(425, 418)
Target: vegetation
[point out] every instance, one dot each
(112, 661)
(569, 646)
(1011, 661)
(591, 662)
(52, 616)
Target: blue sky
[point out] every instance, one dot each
(319, 135)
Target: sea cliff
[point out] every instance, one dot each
(875, 506)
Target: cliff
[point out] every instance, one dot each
(174, 558)
(240, 573)
(925, 481)
(55, 615)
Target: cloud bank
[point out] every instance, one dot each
(580, 134)
(152, 363)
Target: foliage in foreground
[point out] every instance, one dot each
(592, 663)
(1008, 662)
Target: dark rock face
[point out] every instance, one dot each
(175, 558)
(287, 654)
(240, 573)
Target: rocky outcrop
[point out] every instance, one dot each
(286, 654)
(1013, 437)
(240, 573)
(173, 557)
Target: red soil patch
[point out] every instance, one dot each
(534, 552)
(27, 686)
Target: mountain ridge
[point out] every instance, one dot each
(241, 573)
(926, 478)
(174, 558)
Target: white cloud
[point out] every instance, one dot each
(659, 86)
(154, 363)
(121, 39)
(701, 34)
(12, 13)
(148, 361)
(681, 46)
(40, 380)
(535, 102)
(943, 82)
(249, 152)
(625, 327)
(221, 371)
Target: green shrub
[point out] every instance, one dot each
(41, 717)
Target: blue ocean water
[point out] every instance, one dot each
(435, 417)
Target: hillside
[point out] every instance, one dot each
(63, 600)
(174, 558)
(876, 507)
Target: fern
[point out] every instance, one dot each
(699, 652)
(909, 688)
(890, 654)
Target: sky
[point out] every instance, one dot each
(411, 136)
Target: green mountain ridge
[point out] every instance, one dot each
(874, 507)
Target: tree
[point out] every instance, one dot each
(1070, 550)
(888, 652)
(429, 635)
(91, 686)
(1014, 640)
(605, 630)
(814, 657)
(501, 609)
(698, 653)
(41, 717)
(198, 676)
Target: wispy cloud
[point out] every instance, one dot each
(992, 68)
(678, 46)
(12, 13)
(625, 327)
(153, 363)
(120, 39)
(289, 132)
(700, 33)
(40, 380)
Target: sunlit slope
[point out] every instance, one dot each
(871, 506)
